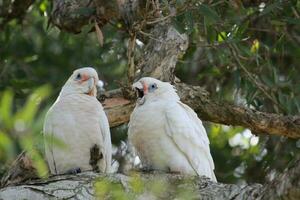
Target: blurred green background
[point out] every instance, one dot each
(245, 52)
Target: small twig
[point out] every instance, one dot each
(151, 37)
(159, 19)
(130, 56)
(295, 12)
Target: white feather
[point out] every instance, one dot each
(78, 120)
(187, 132)
(168, 135)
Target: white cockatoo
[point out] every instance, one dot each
(166, 134)
(78, 120)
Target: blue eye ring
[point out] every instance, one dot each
(152, 87)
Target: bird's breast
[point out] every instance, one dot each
(147, 134)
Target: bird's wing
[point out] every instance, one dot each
(187, 132)
(48, 141)
(107, 149)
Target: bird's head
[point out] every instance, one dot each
(150, 89)
(82, 81)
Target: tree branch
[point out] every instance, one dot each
(226, 113)
(89, 185)
(219, 112)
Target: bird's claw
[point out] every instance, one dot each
(75, 170)
(147, 169)
(152, 170)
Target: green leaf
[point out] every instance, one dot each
(290, 20)
(28, 112)
(222, 36)
(189, 22)
(85, 11)
(255, 46)
(270, 8)
(209, 13)
(178, 26)
(6, 108)
(137, 184)
(38, 162)
(267, 80)
(6, 145)
(43, 6)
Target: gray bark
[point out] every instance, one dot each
(83, 186)
(89, 185)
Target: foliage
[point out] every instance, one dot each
(246, 52)
(20, 128)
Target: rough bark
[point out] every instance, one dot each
(89, 185)
(284, 186)
(81, 186)
(13, 10)
(229, 114)
(72, 15)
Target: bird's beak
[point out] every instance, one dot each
(140, 90)
(91, 86)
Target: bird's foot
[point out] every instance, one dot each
(152, 170)
(175, 172)
(170, 171)
(147, 169)
(75, 170)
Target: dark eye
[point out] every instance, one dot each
(152, 87)
(78, 77)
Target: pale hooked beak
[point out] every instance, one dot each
(91, 86)
(138, 87)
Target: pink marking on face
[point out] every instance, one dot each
(145, 88)
(84, 77)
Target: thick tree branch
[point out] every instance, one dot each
(285, 185)
(219, 112)
(84, 186)
(89, 185)
(226, 113)
(72, 15)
